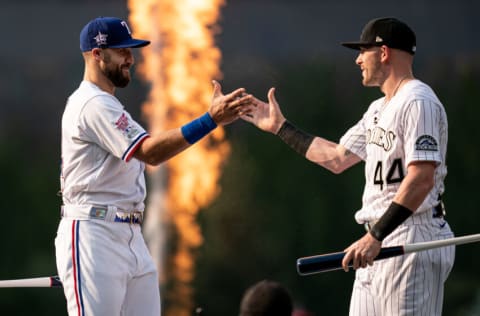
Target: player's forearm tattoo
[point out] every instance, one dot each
(295, 138)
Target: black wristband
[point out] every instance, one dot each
(295, 138)
(391, 219)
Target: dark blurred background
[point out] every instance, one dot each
(275, 206)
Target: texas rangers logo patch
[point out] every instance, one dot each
(426, 142)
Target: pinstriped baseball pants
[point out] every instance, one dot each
(411, 284)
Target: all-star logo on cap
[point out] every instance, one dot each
(101, 39)
(108, 32)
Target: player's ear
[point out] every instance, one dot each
(97, 53)
(385, 53)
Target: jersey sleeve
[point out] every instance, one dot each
(107, 124)
(424, 126)
(355, 139)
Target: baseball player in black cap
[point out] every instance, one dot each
(402, 138)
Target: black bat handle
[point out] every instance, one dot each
(333, 261)
(55, 282)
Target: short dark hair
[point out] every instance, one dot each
(266, 298)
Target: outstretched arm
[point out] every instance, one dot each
(268, 117)
(224, 109)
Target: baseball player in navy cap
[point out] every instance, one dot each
(402, 138)
(102, 259)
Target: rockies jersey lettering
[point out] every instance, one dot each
(380, 137)
(412, 126)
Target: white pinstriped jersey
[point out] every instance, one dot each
(412, 126)
(98, 140)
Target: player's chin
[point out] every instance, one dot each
(369, 83)
(124, 78)
(122, 81)
(364, 79)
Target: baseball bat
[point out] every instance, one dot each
(52, 281)
(333, 261)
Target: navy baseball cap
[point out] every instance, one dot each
(108, 32)
(387, 31)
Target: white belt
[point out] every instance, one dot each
(107, 213)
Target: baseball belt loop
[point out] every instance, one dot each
(369, 225)
(137, 217)
(132, 218)
(111, 213)
(366, 225)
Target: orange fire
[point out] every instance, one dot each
(179, 64)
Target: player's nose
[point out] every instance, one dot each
(358, 60)
(129, 58)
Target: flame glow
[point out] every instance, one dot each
(179, 64)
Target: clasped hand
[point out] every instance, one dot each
(225, 109)
(361, 252)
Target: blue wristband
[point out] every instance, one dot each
(196, 129)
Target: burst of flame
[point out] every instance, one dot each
(180, 64)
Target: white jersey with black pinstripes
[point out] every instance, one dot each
(98, 140)
(412, 126)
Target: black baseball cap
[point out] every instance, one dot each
(387, 31)
(108, 32)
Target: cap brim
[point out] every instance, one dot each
(356, 45)
(131, 43)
